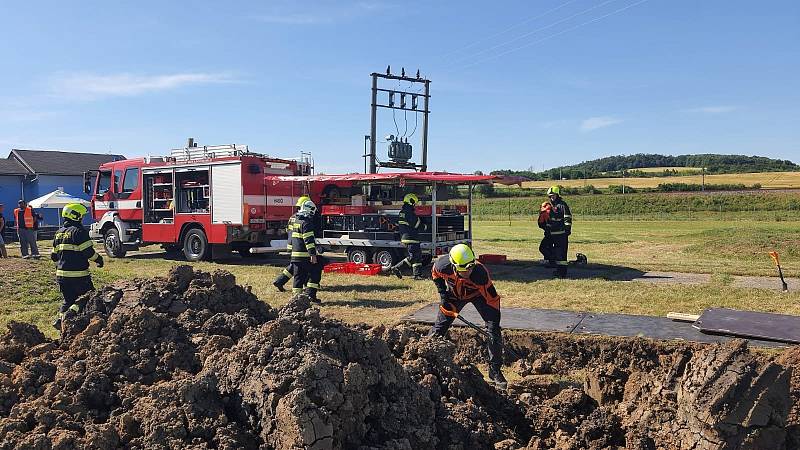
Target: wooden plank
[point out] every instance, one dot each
(750, 324)
(682, 317)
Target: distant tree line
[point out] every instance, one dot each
(619, 166)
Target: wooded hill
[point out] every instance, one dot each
(616, 166)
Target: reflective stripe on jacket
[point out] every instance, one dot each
(73, 250)
(303, 244)
(479, 283)
(560, 220)
(409, 224)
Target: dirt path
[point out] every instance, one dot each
(619, 273)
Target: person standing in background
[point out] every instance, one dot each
(27, 221)
(3, 252)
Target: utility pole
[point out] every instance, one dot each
(399, 161)
(703, 187)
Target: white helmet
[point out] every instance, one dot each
(309, 207)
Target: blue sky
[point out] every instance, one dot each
(515, 84)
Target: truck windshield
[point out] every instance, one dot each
(103, 182)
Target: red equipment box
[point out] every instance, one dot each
(332, 210)
(492, 259)
(353, 268)
(355, 210)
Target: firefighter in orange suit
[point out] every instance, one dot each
(460, 279)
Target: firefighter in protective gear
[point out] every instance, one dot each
(555, 219)
(286, 274)
(304, 250)
(460, 279)
(410, 225)
(72, 251)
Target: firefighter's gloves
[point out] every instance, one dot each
(100, 263)
(54, 257)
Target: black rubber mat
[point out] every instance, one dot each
(750, 324)
(575, 322)
(511, 318)
(642, 326)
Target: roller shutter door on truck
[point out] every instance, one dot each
(226, 192)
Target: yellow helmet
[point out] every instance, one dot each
(554, 190)
(302, 200)
(462, 257)
(411, 199)
(74, 211)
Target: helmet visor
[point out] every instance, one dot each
(464, 267)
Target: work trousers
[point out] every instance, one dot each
(490, 316)
(27, 239)
(301, 270)
(72, 288)
(554, 248)
(314, 275)
(414, 258)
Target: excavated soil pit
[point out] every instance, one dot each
(193, 361)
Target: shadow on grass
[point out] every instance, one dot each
(364, 287)
(233, 260)
(369, 303)
(527, 271)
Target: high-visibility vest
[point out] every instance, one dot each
(28, 217)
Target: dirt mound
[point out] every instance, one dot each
(195, 361)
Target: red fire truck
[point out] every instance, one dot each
(208, 201)
(198, 200)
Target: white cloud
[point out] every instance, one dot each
(595, 123)
(87, 86)
(712, 109)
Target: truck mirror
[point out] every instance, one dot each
(87, 184)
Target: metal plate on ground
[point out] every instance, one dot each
(511, 318)
(750, 324)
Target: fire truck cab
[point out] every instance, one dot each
(201, 200)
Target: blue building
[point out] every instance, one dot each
(28, 174)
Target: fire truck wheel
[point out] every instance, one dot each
(195, 245)
(359, 255)
(386, 257)
(113, 244)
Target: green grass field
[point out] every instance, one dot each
(720, 247)
(767, 180)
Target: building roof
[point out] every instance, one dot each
(53, 162)
(11, 167)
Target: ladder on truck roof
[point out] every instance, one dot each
(208, 152)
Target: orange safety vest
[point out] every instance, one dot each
(465, 289)
(28, 217)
